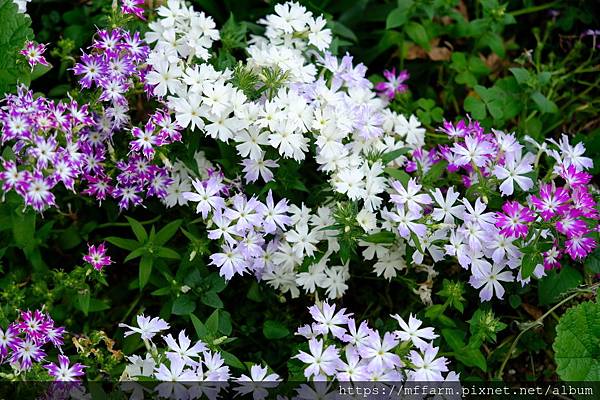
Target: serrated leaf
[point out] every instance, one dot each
(476, 107)
(577, 343)
(556, 283)
(14, 31)
(592, 262)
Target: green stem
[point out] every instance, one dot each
(533, 9)
(116, 224)
(539, 322)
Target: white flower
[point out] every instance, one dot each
(426, 368)
(321, 361)
(147, 327)
(257, 383)
(447, 211)
(351, 182)
(166, 78)
(303, 240)
(182, 349)
(490, 276)
(512, 171)
(412, 332)
(250, 141)
(366, 219)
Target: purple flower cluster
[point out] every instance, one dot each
(243, 225)
(23, 341)
(567, 208)
(115, 62)
(45, 144)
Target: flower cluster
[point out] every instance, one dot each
(185, 362)
(344, 349)
(22, 345)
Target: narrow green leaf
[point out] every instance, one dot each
(123, 243)
(167, 232)
(138, 230)
(145, 270)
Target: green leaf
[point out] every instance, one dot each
(199, 327)
(123, 243)
(211, 299)
(398, 174)
(212, 323)
(167, 232)
(145, 270)
(392, 155)
(521, 75)
(396, 18)
(475, 106)
(435, 172)
(275, 330)
(83, 300)
(543, 104)
(135, 254)
(14, 31)
(23, 226)
(165, 252)
(418, 34)
(454, 338)
(472, 357)
(529, 263)
(552, 286)
(577, 343)
(232, 360)
(138, 230)
(183, 305)
(592, 262)
(381, 237)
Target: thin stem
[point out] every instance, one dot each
(533, 9)
(539, 322)
(114, 224)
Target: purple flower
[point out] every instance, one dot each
(34, 53)
(63, 372)
(460, 129)
(230, 262)
(207, 196)
(37, 191)
(393, 84)
(145, 140)
(551, 201)
(515, 219)
(570, 224)
(26, 352)
(92, 67)
(579, 247)
(133, 7)
(97, 257)
(8, 340)
(274, 215)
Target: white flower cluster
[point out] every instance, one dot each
(321, 100)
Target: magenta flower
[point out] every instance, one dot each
(551, 258)
(8, 340)
(515, 219)
(133, 7)
(570, 224)
(63, 372)
(579, 246)
(393, 84)
(573, 177)
(551, 201)
(97, 257)
(26, 352)
(35, 325)
(34, 53)
(460, 129)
